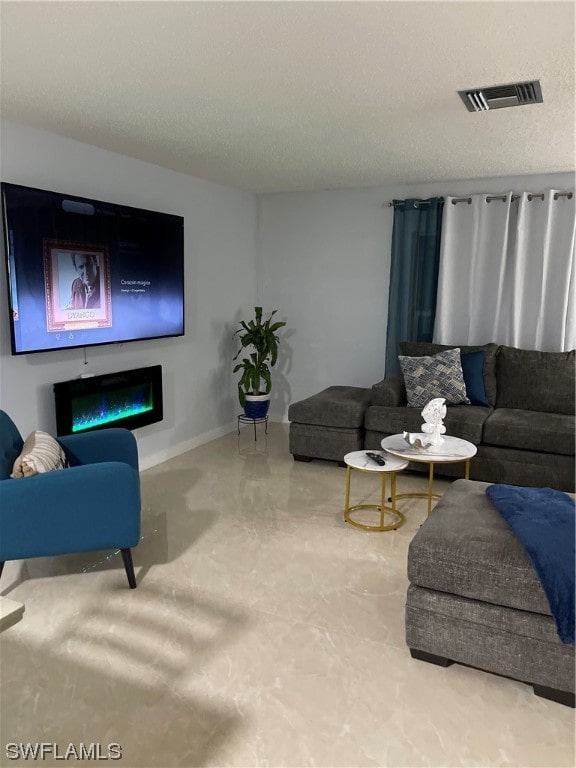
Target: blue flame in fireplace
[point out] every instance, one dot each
(110, 407)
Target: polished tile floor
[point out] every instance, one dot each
(264, 632)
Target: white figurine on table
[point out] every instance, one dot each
(433, 414)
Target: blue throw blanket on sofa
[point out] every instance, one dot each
(543, 520)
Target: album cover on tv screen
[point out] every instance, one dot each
(83, 272)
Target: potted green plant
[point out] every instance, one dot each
(259, 339)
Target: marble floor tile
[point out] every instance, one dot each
(264, 632)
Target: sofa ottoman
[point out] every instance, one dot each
(475, 598)
(328, 425)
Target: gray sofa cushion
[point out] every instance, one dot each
(465, 421)
(546, 432)
(495, 616)
(419, 348)
(517, 466)
(535, 381)
(466, 548)
(333, 407)
(517, 644)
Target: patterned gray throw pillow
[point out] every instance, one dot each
(436, 376)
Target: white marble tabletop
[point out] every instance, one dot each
(359, 460)
(452, 449)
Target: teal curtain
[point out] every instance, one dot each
(413, 274)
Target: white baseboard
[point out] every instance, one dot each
(175, 450)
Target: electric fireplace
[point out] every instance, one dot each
(127, 399)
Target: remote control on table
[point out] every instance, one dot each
(380, 460)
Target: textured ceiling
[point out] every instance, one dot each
(271, 96)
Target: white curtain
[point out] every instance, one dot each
(507, 271)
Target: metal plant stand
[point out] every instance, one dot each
(243, 419)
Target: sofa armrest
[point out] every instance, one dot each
(390, 392)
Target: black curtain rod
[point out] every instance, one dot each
(489, 198)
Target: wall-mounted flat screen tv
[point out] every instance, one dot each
(83, 272)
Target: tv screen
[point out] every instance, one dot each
(83, 272)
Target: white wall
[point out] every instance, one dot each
(200, 400)
(324, 262)
(322, 259)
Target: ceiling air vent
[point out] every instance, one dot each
(500, 96)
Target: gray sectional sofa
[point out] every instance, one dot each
(474, 597)
(525, 435)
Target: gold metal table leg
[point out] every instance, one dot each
(429, 495)
(398, 517)
(383, 500)
(430, 486)
(347, 502)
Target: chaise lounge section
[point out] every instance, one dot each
(474, 597)
(328, 425)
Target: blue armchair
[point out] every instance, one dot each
(94, 504)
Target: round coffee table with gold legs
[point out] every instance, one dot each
(358, 460)
(451, 451)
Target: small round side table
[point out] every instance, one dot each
(358, 460)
